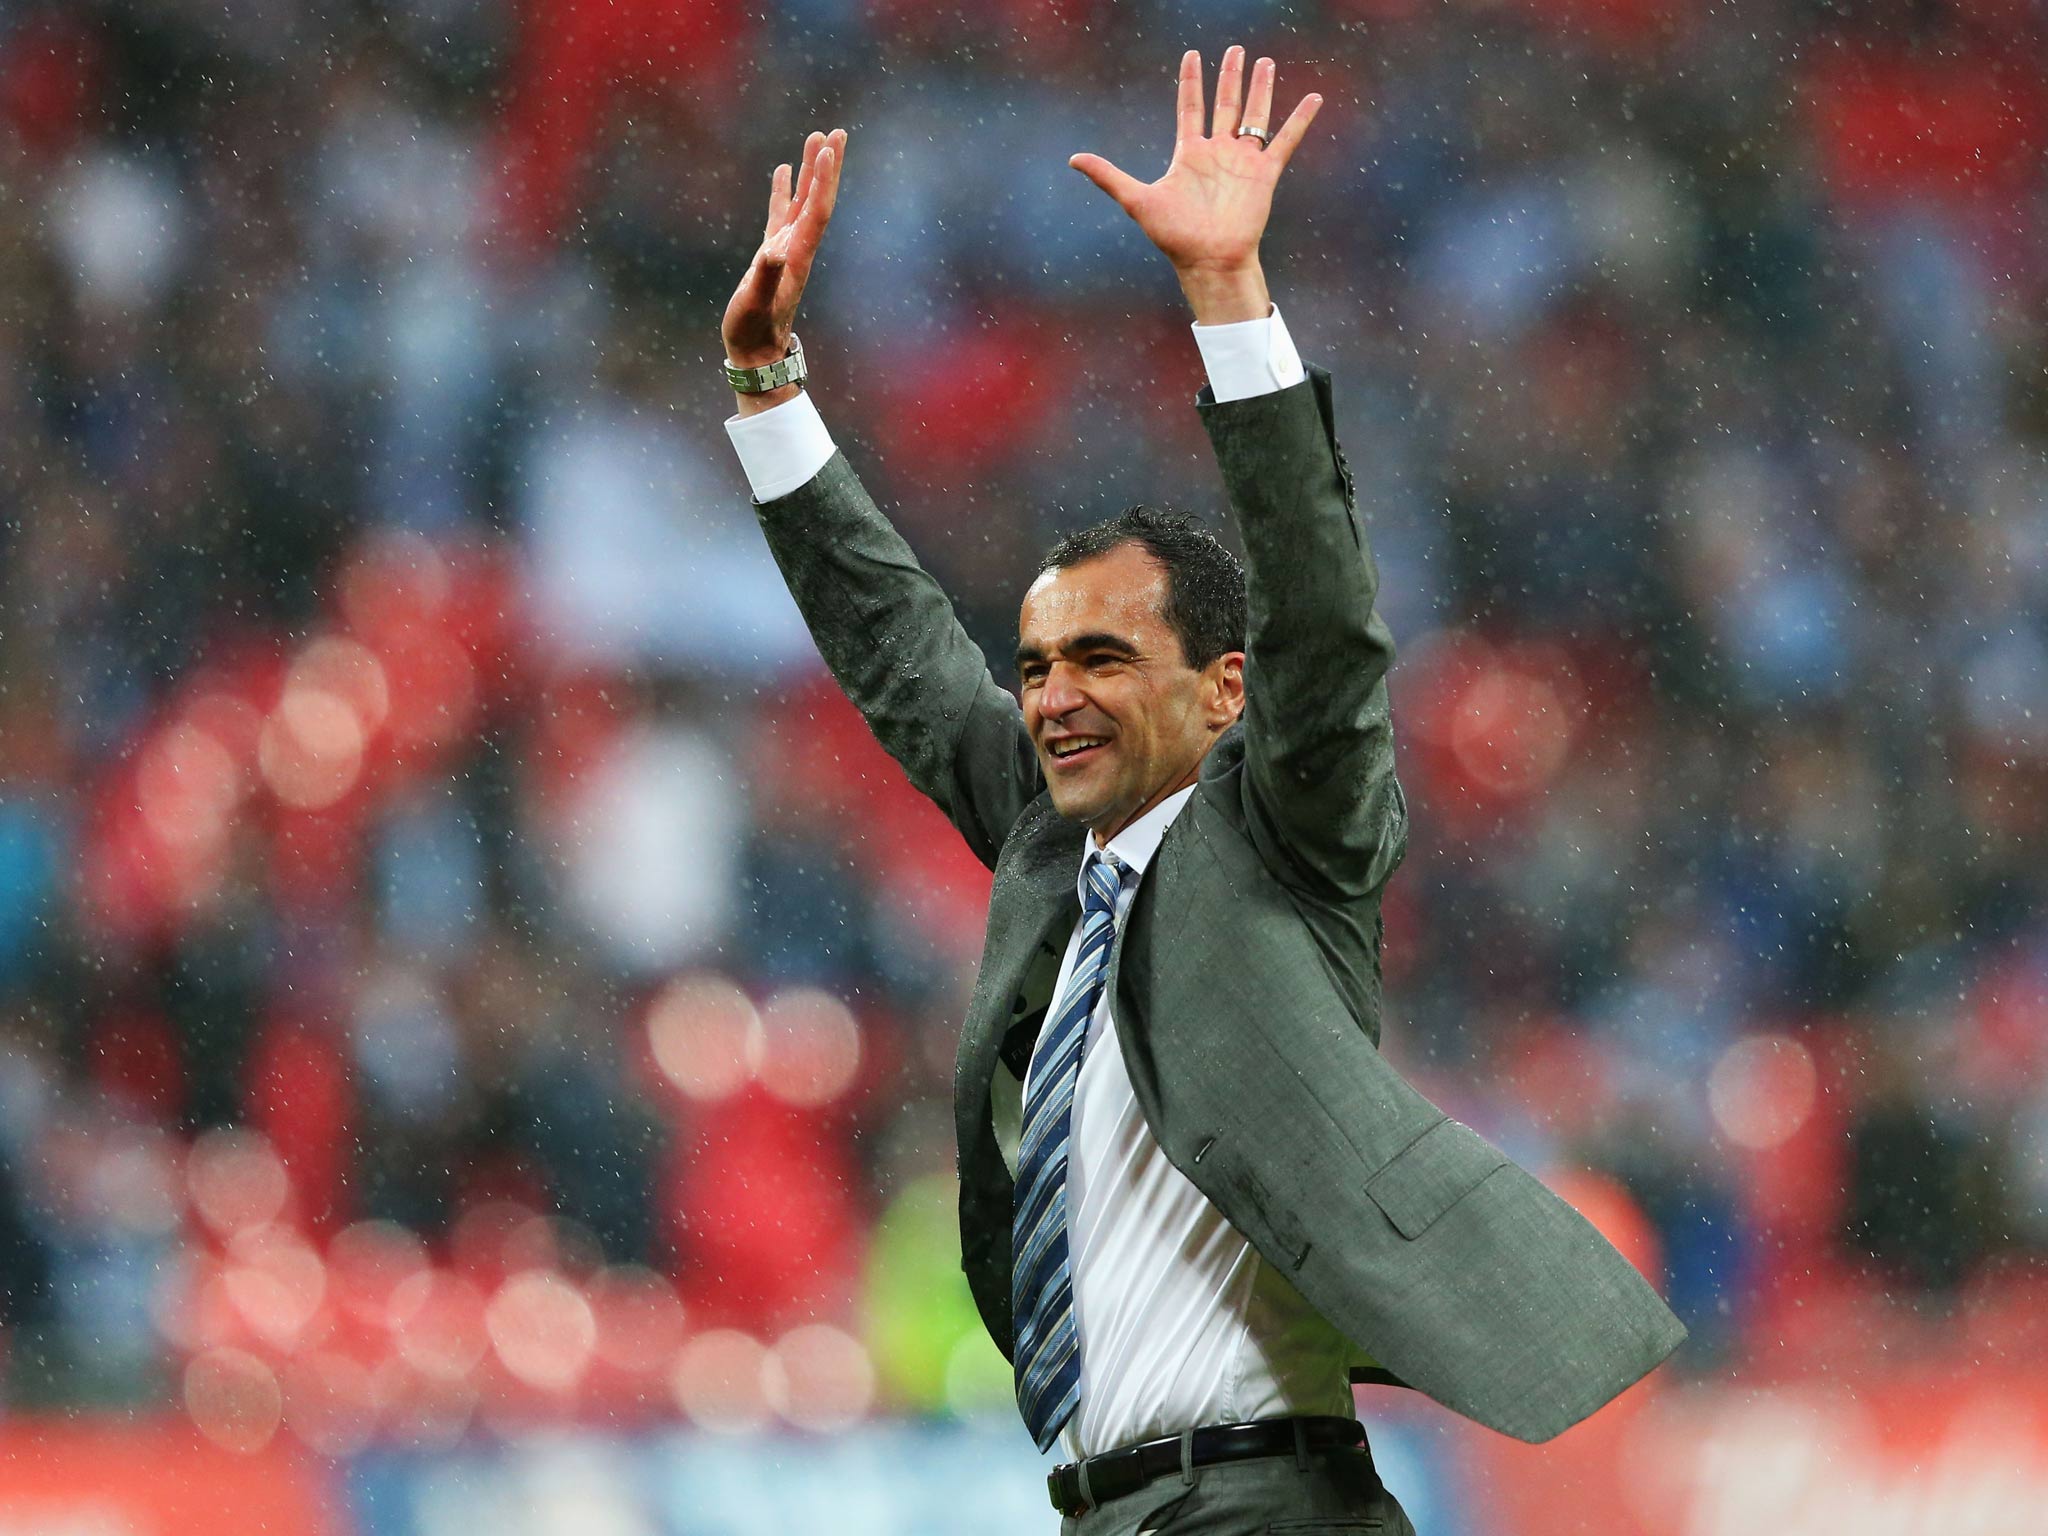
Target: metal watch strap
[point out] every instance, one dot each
(758, 381)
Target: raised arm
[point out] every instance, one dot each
(1320, 792)
(882, 624)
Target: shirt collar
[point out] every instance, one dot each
(1135, 845)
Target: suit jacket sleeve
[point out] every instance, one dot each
(1321, 797)
(889, 635)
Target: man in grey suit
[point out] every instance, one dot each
(1196, 1203)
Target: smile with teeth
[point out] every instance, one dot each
(1075, 744)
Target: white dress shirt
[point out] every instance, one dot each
(1180, 1322)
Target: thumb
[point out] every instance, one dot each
(752, 304)
(1125, 189)
(763, 277)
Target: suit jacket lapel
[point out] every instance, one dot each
(1032, 910)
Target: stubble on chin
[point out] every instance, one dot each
(1073, 808)
(1070, 811)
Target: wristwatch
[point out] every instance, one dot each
(758, 381)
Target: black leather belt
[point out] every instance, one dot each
(1085, 1485)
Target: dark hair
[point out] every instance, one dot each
(1205, 598)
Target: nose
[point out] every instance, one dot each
(1059, 695)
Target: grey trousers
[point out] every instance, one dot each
(1327, 1493)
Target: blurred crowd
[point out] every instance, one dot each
(449, 924)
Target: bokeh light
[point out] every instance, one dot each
(438, 1319)
(705, 1035)
(187, 785)
(277, 1284)
(311, 749)
(347, 670)
(236, 1181)
(542, 1329)
(720, 1381)
(821, 1379)
(639, 1319)
(1511, 729)
(1762, 1090)
(234, 1399)
(807, 1049)
(367, 1261)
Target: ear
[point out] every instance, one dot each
(1223, 690)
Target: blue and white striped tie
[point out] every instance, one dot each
(1048, 1356)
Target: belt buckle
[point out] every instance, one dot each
(1111, 1475)
(1056, 1482)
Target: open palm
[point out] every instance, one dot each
(1210, 208)
(761, 315)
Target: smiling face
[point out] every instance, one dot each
(1119, 718)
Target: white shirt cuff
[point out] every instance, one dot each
(1249, 357)
(782, 447)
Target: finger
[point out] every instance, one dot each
(1229, 94)
(816, 212)
(1123, 188)
(757, 288)
(812, 144)
(778, 200)
(1258, 106)
(825, 184)
(1291, 131)
(1188, 116)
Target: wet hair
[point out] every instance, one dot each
(1205, 593)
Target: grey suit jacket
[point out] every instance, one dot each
(1247, 976)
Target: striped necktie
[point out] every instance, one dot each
(1048, 1356)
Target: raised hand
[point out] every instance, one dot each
(1207, 212)
(762, 312)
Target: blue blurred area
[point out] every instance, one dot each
(882, 1480)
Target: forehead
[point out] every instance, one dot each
(1122, 593)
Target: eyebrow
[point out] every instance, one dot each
(1094, 640)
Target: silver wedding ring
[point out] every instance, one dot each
(1260, 134)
